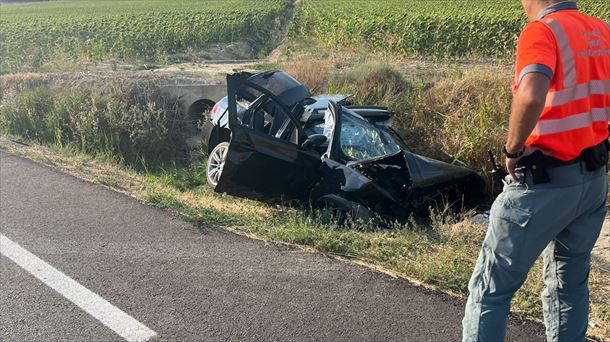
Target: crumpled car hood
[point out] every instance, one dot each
(422, 171)
(426, 171)
(413, 180)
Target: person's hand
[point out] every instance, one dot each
(511, 163)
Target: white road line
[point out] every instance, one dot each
(111, 316)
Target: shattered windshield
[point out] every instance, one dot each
(361, 140)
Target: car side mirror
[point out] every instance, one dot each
(315, 140)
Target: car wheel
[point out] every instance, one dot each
(340, 209)
(216, 163)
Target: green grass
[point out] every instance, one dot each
(36, 34)
(128, 120)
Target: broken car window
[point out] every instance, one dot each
(360, 140)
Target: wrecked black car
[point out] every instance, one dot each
(269, 140)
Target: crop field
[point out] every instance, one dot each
(443, 29)
(36, 34)
(33, 34)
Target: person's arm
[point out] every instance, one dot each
(535, 68)
(527, 106)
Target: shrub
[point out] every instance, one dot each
(130, 120)
(466, 116)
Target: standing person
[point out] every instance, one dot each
(554, 201)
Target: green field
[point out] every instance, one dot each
(444, 29)
(36, 33)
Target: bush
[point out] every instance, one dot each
(129, 120)
(25, 115)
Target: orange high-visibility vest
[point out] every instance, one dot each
(577, 108)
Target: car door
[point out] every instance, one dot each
(262, 163)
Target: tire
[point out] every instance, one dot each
(216, 162)
(341, 209)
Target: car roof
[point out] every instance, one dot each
(282, 85)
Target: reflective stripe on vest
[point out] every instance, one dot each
(546, 127)
(579, 92)
(565, 50)
(571, 91)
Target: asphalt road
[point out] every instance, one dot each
(190, 283)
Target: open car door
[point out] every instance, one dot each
(265, 159)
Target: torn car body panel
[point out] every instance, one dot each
(348, 183)
(404, 183)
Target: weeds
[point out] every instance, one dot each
(122, 120)
(470, 113)
(312, 73)
(371, 82)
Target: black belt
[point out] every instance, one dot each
(552, 162)
(542, 161)
(537, 163)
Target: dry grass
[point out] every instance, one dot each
(129, 181)
(371, 82)
(313, 73)
(599, 285)
(82, 166)
(226, 204)
(465, 116)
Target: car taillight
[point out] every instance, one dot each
(214, 110)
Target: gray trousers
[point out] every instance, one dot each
(561, 220)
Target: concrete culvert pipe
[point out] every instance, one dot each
(197, 110)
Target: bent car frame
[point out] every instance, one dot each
(269, 140)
